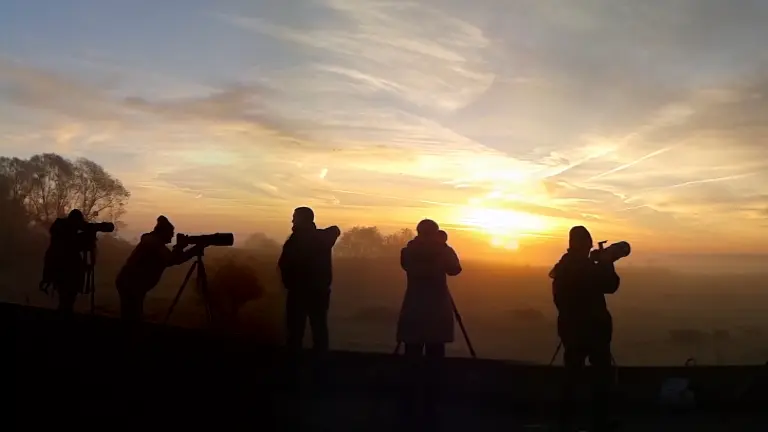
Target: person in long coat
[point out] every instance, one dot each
(426, 321)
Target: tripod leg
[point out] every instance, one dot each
(557, 351)
(202, 283)
(181, 290)
(92, 281)
(463, 330)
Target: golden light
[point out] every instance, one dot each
(503, 227)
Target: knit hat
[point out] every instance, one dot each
(163, 224)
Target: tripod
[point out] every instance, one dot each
(201, 279)
(89, 259)
(461, 325)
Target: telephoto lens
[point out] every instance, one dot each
(618, 251)
(217, 239)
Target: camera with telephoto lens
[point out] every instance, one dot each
(90, 229)
(94, 227)
(205, 240)
(611, 253)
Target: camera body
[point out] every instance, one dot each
(612, 253)
(205, 240)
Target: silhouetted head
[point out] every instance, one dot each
(164, 229)
(427, 229)
(579, 240)
(303, 216)
(443, 236)
(76, 218)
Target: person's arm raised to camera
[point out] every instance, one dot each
(331, 235)
(179, 256)
(452, 263)
(607, 280)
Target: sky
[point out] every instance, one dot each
(506, 121)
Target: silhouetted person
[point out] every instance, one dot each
(306, 270)
(584, 324)
(145, 266)
(426, 316)
(64, 268)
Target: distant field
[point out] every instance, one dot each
(660, 317)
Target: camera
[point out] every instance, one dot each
(611, 253)
(94, 227)
(89, 230)
(205, 240)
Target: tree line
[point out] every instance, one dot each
(46, 186)
(357, 242)
(36, 191)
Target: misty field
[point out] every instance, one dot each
(660, 317)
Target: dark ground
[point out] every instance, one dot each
(82, 374)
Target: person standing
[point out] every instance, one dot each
(306, 270)
(426, 321)
(64, 268)
(584, 324)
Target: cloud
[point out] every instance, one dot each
(413, 52)
(636, 118)
(30, 87)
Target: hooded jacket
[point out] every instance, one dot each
(426, 315)
(579, 287)
(63, 263)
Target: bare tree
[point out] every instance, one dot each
(95, 191)
(49, 186)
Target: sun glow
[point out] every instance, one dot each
(503, 227)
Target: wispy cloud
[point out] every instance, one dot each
(632, 118)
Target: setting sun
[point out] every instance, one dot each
(503, 227)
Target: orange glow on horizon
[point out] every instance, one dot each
(502, 227)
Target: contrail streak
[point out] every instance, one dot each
(635, 162)
(710, 180)
(689, 183)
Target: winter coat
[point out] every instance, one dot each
(426, 315)
(306, 260)
(579, 287)
(146, 264)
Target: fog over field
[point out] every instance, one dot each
(661, 316)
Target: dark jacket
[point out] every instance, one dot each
(306, 260)
(579, 287)
(147, 262)
(426, 315)
(63, 259)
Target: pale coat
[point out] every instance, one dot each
(426, 316)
